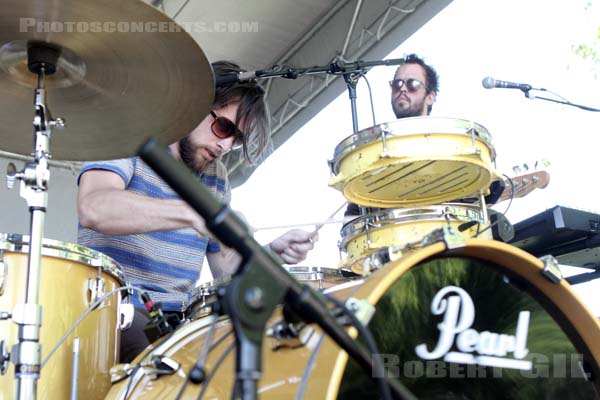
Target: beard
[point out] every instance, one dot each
(187, 152)
(414, 110)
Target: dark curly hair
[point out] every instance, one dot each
(252, 111)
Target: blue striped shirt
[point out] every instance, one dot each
(165, 264)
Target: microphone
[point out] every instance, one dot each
(231, 78)
(490, 83)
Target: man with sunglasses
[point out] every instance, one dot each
(129, 213)
(414, 88)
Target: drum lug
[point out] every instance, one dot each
(362, 309)
(448, 235)
(289, 335)
(158, 365)
(153, 367)
(126, 313)
(96, 289)
(3, 274)
(551, 269)
(120, 372)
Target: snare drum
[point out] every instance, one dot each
(399, 227)
(316, 277)
(483, 321)
(413, 162)
(72, 278)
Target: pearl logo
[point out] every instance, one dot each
(483, 348)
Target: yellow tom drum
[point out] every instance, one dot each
(400, 227)
(72, 278)
(413, 162)
(483, 321)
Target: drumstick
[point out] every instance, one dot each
(313, 223)
(318, 227)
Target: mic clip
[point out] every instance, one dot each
(158, 326)
(289, 335)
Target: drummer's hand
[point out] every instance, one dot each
(293, 245)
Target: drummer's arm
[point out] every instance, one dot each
(292, 247)
(224, 262)
(104, 205)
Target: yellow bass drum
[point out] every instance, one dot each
(484, 321)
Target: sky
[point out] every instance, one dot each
(513, 40)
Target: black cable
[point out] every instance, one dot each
(180, 9)
(378, 368)
(364, 76)
(133, 372)
(510, 200)
(214, 370)
(211, 348)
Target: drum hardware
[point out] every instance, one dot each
(121, 371)
(126, 314)
(159, 365)
(384, 152)
(447, 235)
(34, 185)
(259, 284)
(4, 358)
(362, 309)
(95, 288)
(158, 325)
(551, 269)
(3, 273)
(153, 367)
(75, 368)
(283, 334)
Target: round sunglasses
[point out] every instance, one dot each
(412, 85)
(224, 128)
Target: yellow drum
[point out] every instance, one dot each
(413, 162)
(400, 227)
(72, 278)
(483, 321)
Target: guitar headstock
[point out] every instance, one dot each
(525, 183)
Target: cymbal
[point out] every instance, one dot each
(126, 72)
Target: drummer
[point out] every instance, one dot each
(127, 212)
(414, 90)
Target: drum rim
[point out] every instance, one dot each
(18, 243)
(366, 136)
(393, 216)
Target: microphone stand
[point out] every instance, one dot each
(259, 284)
(350, 71)
(568, 103)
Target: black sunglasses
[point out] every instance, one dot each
(224, 128)
(412, 85)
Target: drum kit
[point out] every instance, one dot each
(454, 313)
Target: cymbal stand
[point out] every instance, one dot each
(26, 355)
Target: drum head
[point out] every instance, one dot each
(459, 327)
(413, 162)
